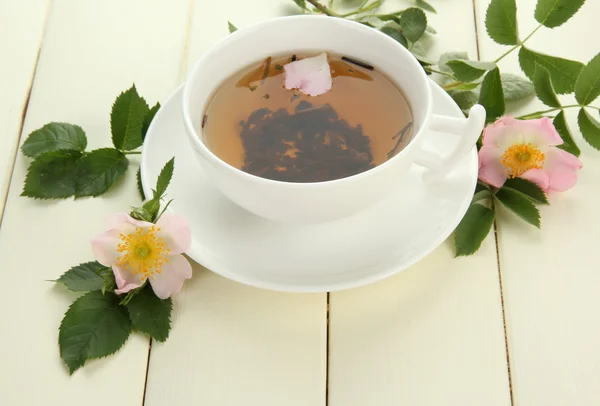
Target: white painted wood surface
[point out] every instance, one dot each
(232, 344)
(432, 335)
(551, 276)
(91, 52)
(21, 31)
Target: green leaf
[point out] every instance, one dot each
(528, 189)
(150, 314)
(481, 192)
(164, 178)
(467, 86)
(472, 230)
(99, 170)
(83, 277)
(590, 128)
(491, 95)
(501, 22)
(395, 34)
(301, 4)
(414, 23)
(53, 175)
(54, 137)
(449, 56)
(515, 87)
(232, 28)
(150, 210)
(425, 6)
(519, 204)
(468, 71)
(465, 99)
(94, 326)
(139, 184)
(127, 120)
(563, 129)
(563, 72)
(148, 119)
(553, 13)
(543, 86)
(587, 87)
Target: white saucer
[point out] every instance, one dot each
(372, 245)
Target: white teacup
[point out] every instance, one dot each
(330, 200)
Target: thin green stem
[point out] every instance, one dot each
(363, 9)
(453, 85)
(518, 45)
(538, 113)
(132, 152)
(323, 9)
(440, 72)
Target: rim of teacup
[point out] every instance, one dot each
(207, 154)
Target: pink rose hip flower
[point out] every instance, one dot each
(526, 149)
(311, 76)
(137, 250)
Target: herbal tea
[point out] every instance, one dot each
(298, 118)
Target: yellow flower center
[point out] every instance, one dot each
(519, 158)
(142, 252)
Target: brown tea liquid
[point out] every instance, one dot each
(255, 124)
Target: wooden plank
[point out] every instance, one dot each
(550, 276)
(21, 28)
(433, 334)
(234, 344)
(91, 52)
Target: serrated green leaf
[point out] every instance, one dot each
(389, 17)
(501, 22)
(587, 87)
(53, 137)
(519, 204)
(53, 175)
(468, 71)
(563, 72)
(563, 129)
(472, 230)
(528, 189)
(465, 99)
(395, 34)
(553, 13)
(164, 178)
(481, 192)
(425, 6)
(491, 95)
(99, 170)
(232, 28)
(414, 22)
(516, 87)
(94, 326)
(590, 128)
(150, 314)
(127, 120)
(83, 277)
(543, 86)
(139, 184)
(449, 56)
(148, 119)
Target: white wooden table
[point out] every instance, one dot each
(516, 324)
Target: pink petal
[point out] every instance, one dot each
(561, 168)
(507, 131)
(539, 177)
(170, 280)
(491, 171)
(104, 247)
(311, 76)
(117, 220)
(175, 232)
(125, 280)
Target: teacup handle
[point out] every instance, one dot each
(469, 129)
